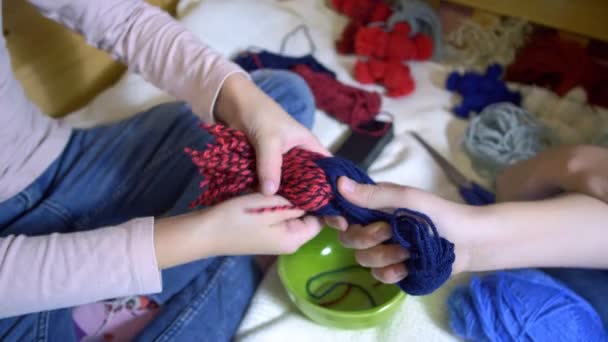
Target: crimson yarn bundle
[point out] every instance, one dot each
(355, 107)
(309, 182)
(560, 65)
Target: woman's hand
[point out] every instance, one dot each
(242, 105)
(387, 260)
(233, 228)
(582, 169)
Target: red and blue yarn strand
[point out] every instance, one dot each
(309, 182)
(335, 285)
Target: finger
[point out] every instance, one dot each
(269, 160)
(382, 256)
(385, 195)
(366, 237)
(271, 209)
(297, 232)
(337, 222)
(257, 200)
(390, 274)
(313, 144)
(278, 216)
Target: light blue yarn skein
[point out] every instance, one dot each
(504, 134)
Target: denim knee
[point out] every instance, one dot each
(290, 91)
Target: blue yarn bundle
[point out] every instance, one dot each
(522, 305)
(480, 90)
(251, 61)
(431, 256)
(422, 19)
(504, 134)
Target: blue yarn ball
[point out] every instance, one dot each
(522, 305)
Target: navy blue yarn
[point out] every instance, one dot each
(474, 194)
(480, 90)
(431, 256)
(522, 305)
(269, 60)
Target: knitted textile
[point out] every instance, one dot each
(309, 182)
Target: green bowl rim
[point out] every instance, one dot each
(368, 312)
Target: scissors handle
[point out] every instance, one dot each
(476, 195)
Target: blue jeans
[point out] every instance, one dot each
(110, 174)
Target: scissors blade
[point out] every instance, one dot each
(450, 171)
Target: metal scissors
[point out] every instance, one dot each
(471, 192)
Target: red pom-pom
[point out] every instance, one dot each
(359, 10)
(346, 44)
(377, 69)
(371, 41)
(400, 47)
(424, 47)
(398, 80)
(363, 72)
(381, 44)
(402, 28)
(381, 13)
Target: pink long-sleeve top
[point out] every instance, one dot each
(64, 270)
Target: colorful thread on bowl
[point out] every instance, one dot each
(337, 284)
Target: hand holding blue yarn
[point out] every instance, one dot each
(431, 256)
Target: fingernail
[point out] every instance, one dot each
(348, 185)
(268, 187)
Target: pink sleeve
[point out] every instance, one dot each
(65, 270)
(151, 43)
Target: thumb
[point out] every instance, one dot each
(381, 196)
(269, 160)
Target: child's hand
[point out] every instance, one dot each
(582, 169)
(387, 261)
(233, 228)
(242, 105)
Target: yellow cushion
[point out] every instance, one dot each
(58, 70)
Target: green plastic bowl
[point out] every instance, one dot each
(340, 308)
